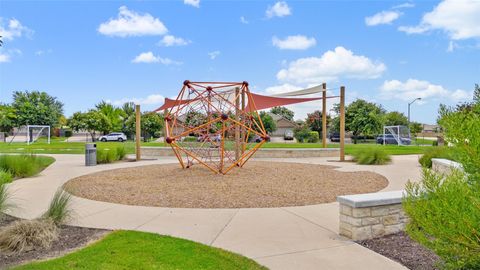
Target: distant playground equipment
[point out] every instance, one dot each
(217, 124)
(31, 133)
(399, 135)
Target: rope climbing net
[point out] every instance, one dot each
(215, 124)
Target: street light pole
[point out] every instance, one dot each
(409, 108)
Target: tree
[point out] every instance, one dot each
(128, 109)
(362, 117)
(90, 121)
(150, 123)
(283, 111)
(36, 108)
(114, 115)
(1, 41)
(396, 119)
(7, 118)
(268, 122)
(415, 128)
(314, 121)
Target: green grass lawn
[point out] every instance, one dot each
(139, 250)
(58, 146)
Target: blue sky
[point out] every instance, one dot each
(389, 52)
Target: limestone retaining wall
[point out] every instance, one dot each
(366, 216)
(156, 152)
(445, 166)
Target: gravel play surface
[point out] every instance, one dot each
(257, 184)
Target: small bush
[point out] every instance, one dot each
(434, 152)
(59, 209)
(302, 134)
(371, 156)
(190, 139)
(121, 153)
(105, 156)
(444, 216)
(24, 165)
(68, 133)
(5, 177)
(25, 235)
(313, 137)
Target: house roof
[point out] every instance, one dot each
(277, 117)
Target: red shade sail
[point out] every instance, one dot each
(261, 102)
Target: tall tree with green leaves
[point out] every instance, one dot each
(114, 114)
(364, 118)
(7, 118)
(36, 108)
(314, 121)
(91, 121)
(396, 119)
(283, 111)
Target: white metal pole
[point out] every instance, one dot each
(28, 135)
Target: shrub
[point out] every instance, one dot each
(59, 208)
(68, 133)
(24, 165)
(5, 177)
(435, 152)
(313, 137)
(106, 156)
(302, 133)
(190, 139)
(121, 153)
(371, 156)
(444, 216)
(25, 235)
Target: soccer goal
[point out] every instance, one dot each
(399, 135)
(30, 134)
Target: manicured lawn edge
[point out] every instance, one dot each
(140, 250)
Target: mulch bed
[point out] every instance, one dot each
(401, 248)
(258, 184)
(70, 238)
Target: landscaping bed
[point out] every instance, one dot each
(70, 238)
(257, 184)
(401, 248)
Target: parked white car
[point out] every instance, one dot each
(116, 136)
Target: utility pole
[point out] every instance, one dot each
(409, 108)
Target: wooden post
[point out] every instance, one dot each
(165, 123)
(324, 115)
(137, 132)
(237, 127)
(244, 133)
(342, 123)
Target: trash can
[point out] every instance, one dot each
(90, 154)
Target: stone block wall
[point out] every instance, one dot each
(360, 223)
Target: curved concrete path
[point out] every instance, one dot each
(304, 237)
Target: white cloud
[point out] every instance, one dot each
(193, 3)
(383, 17)
(4, 58)
(13, 29)
(213, 54)
(130, 23)
(150, 100)
(280, 9)
(283, 88)
(404, 5)
(297, 42)
(43, 52)
(330, 67)
(458, 18)
(150, 58)
(413, 88)
(170, 40)
(243, 20)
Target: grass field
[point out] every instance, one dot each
(58, 146)
(138, 250)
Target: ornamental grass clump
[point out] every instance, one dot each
(59, 209)
(444, 212)
(435, 152)
(25, 235)
(371, 156)
(4, 205)
(24, 165)
(105, 156)
(5, 177)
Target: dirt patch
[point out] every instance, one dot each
(70, 238)
(401, 248)
(258, 184)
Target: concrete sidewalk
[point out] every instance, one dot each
(304, 237)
